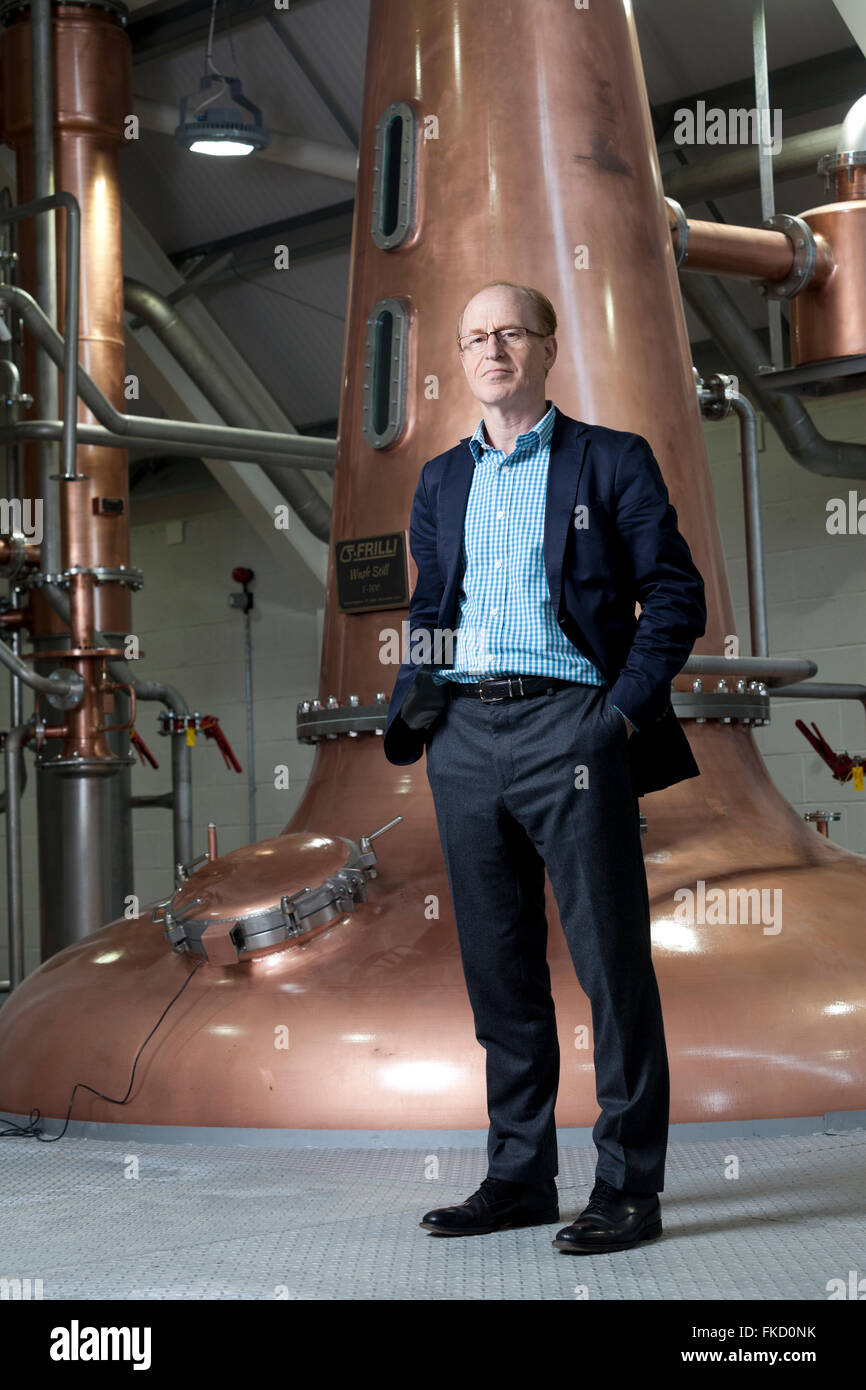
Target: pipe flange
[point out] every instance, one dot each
(682, 226)
(171, 723)
(84, 767)
(70, 689)
(110, 574)
(38, 739)
(41, 577)
(830, 165)
(802, 238)
(748, 703)
(102, 574)
(716, 394)
(315, 723)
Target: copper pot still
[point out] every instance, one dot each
(533, 160)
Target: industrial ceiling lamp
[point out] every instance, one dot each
(223, 130)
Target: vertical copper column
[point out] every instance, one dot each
(84, 813)
(92, 96)
(533, 159)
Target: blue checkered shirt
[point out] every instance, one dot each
(505, 620)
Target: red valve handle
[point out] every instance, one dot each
(142, 748)
(211, 729)
(840, 764)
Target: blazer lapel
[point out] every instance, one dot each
(453, 497)
(567, 450)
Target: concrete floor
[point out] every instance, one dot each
(121, 1219)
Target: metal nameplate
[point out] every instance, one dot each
(371, 572)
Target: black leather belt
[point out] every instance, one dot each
(496, 688)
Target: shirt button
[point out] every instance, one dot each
(499, 516)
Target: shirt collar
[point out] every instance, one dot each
(540, 432)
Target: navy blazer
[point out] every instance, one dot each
(624, 548)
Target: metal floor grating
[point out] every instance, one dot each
(204, 1222)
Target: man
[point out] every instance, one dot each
(533, 541)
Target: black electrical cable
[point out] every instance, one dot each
(32, 1130)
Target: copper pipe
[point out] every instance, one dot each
(8, 553)
(81, 606)
(748, 253)
(14, 618)
(752, 253)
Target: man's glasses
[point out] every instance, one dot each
(507, 337)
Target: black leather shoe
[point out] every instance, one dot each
(496, 1206)
(611, 1220)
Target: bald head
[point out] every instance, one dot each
(509, 377)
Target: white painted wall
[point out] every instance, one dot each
(195, 641)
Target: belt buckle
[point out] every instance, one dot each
(496, 699)
(493, 699)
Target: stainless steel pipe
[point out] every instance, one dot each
(131, 426)
(143, 443)
(14, 886)
(748, 420)
(69, 360)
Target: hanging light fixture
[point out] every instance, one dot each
(230, 129)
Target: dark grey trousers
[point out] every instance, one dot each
(520, 786)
